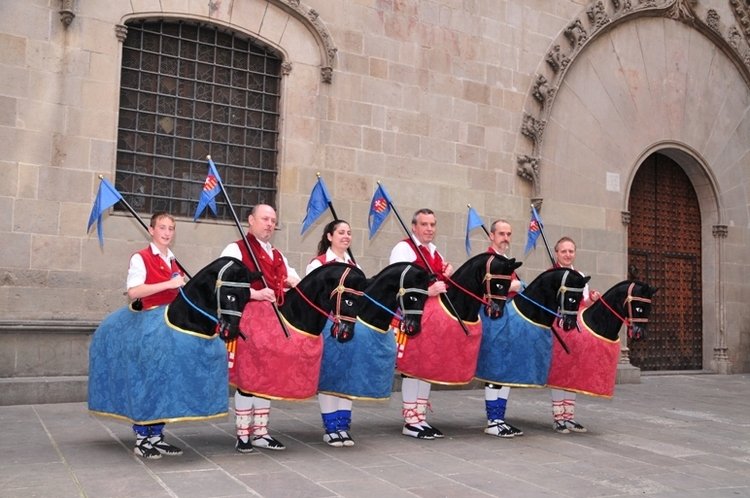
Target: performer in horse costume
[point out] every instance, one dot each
(590, 364)
(496, 395)
(415, 393)
(165, 363)
(336, 411)
(564, 402)
(252, 412)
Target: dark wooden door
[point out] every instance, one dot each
(665, 250)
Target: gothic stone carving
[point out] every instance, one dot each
(576, 33)
(598, 15)
(557, 59)
(532, 127)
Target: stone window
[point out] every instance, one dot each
(187, 91)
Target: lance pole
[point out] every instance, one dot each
(451, 307)
(250, 251)
(544, 238)
(336, 217)
(145, 226)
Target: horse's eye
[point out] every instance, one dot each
(231, 298)
(349, 302)
(413, 299)
(638, 309)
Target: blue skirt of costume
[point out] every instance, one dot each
(145, 370)
(361, 368)
(515, 351)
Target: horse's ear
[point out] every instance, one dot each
(586, 279)
(517, 264)
(653, 290)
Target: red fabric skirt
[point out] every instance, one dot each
(270, 365)
(441, 353)
(591, 366)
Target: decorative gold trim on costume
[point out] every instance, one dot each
(539, 325)
(510, 384)
(380, 331)
(158, 420)
(185, 331)
(591, 331)
(354, 398)
(455, 319)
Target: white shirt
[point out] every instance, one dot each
(330, 256)
(233, 250)
(403, 252)
(137, 269)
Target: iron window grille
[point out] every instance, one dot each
(190, 90)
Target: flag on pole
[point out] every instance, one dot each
(380, 208)
(316, 205)
(211, 188)
(535, 228)
(473, 221)
(107, 197)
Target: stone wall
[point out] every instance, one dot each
(439, 100)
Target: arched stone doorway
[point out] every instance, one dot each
(664, 249)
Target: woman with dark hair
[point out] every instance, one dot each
(336, 411)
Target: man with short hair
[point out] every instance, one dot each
(415, 393)
(252, 412)
(496, 396)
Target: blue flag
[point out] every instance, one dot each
(473, 221)
(316, 205)
(107, 197)
(211, 188)
(535, 228)
(380, 208)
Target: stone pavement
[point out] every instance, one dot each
(671, 435)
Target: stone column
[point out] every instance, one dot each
(626, 373)
(720, 362)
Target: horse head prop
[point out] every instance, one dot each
(487, 274)
(212, 301)
(332, 290)
(398, 290)
(556, 293)
(629, 303)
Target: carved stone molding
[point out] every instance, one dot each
(121, 32)
(598, 15)
(533, 127)
(604, 15)
(286, 68)
(542, 91)
(311, 18)
(66, 12)
(712, 20)
(741, 13)
(576, 33)
(720, 231)
(556, 59)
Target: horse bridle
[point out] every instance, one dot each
(338, 291)
(489, 277)
(220, 282)
(402, 291)
(561, 294)
(628, 304)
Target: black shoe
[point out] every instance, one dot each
(436, 433)
(417, 432)
(574, 426)
(499, 429)
(242, 446)
(164, 447)
(144, 449)
(515, 430)
(333, 439)
(267, 442)
(346, 438)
